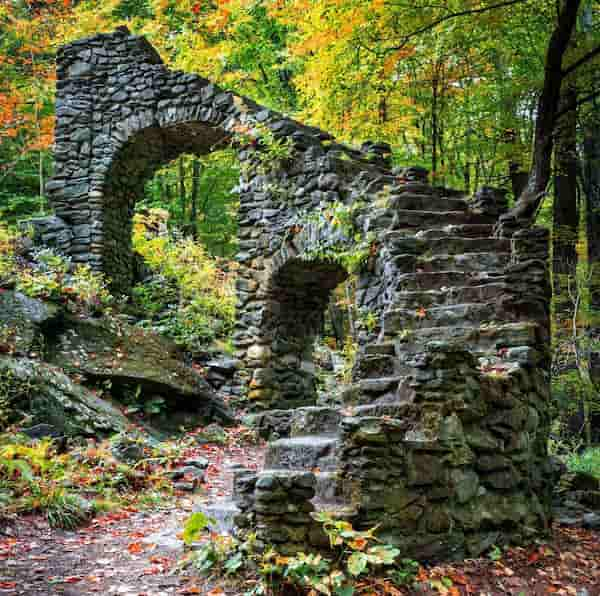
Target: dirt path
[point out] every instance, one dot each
(129, 552)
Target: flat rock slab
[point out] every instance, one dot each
(110, 349)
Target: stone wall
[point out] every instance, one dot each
(442, 434)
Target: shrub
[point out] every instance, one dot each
(69, 488)
(50, 277)
(7, 253)
(356, 558)
(587, 462)
(190, 299)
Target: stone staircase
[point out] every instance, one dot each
(447, 281)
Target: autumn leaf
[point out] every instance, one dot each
(135, 547)
(358, 543)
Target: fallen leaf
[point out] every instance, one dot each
(135, 547)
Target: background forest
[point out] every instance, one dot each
(453, 86)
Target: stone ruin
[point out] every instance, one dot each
(441, 436)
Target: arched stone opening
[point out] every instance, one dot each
(298, 298)
(134, 164)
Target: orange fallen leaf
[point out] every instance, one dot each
(135, 547)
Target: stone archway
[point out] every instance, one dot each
(442, 437)
(298, 297)
(132, 165)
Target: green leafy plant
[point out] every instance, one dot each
(354, 554)
(65, 510)
(191, 300)
(271, 152)
(587, 462)
(194, 526)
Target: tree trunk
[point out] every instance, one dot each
(591, 177)
(194, 196)
(434, 128)
(592, 185)
(565, 213)
(530, 199)
(182, 197)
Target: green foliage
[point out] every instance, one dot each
(354, 555)
(271, 153)
(213, 179)
(50, 276)
(353, 250)
(64, 510)
(195, 524)
(31, 473)
(587, 462)
(349, 352)
(7, 253)
(68, 488)
(190, 299)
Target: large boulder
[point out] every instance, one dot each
(132, 358)
(24, 321)
(45, 395)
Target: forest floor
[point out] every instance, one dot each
(135, 553)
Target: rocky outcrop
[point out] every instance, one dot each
(25, 321)
(109, 349)
(43, 394)
(41, 341)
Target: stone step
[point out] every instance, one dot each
(481, 261)
(423, 202)
(421, 188)
(368, 391)
(390, 410)
(405, 218)
(439, 280)
(296, 422)
(454, 295)
(400, 243)
(480, 339)
(313, 420)
(416, 319)
(302, 453)
(329, 488)
(470, 230)
(223, 511)
(381, 348)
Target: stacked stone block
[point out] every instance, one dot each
(276, 504)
